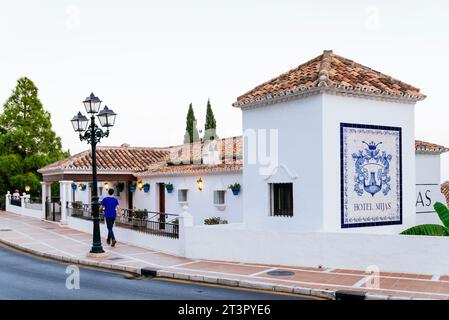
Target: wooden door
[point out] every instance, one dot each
(161, 206)
(130, 196)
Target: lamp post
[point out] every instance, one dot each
(93, 134)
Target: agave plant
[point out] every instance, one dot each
(433, 229)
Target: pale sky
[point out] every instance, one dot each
(147, 60)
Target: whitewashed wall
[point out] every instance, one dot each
(338, 109)
(428, 190)
(299, 127)
(200, 203)
(309, 147)
(85, 196)
(391, 253)
(32, 212)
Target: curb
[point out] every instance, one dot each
(87, 263)
(229, 282)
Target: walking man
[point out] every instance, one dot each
(110, 207)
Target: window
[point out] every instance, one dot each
(281, 199)
(219, 197)
(182, 195)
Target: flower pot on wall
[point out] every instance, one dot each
(132, 189)
(169, 187)
(235, 188)
(146, 188)
(120, 187)
(74, 186)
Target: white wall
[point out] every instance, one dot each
(338, 109)
(391, 253)
(200, 203)
(85, 196)
(299, 126)
(28, 212)
(428, 189)
(309, 147)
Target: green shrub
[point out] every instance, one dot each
(215, 220)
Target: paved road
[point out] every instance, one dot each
(26, 277)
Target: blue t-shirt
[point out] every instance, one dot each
(109, 204)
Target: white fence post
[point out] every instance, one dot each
(64, 195)
(22, 203)
(44, 201)
(8, 202)
(185, 220)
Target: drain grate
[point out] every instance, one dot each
(3, 230)
(281, 273)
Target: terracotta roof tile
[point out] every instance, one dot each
(427, 147)
(112, 158)
(167, 169)
(445, 190)
(332, 72)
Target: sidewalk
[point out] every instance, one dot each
(62, 243)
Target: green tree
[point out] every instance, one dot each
(191, 133)
(210, 127)
(27, 141)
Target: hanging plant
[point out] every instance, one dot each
(132, 187)
(169, 187)
(146, 187)
(74, 186)
(120, 187)
(235, 188)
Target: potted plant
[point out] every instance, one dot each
(82, 187)
(169, 187)
(146, 187)
(139, 218)
(235, 188)
(215, 220)
(120, 187)
(74, 186)
(132, 187)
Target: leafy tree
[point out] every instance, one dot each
(27, 141)
(191, 134)
(210, 127)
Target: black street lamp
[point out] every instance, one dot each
(93, 134)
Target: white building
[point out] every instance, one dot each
(328, 146)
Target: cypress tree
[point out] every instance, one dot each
(210, 127)
(191, 133)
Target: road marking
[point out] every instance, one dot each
(183, 264)
(262, 272)
(361, 282)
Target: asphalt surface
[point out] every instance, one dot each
(24, 277)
